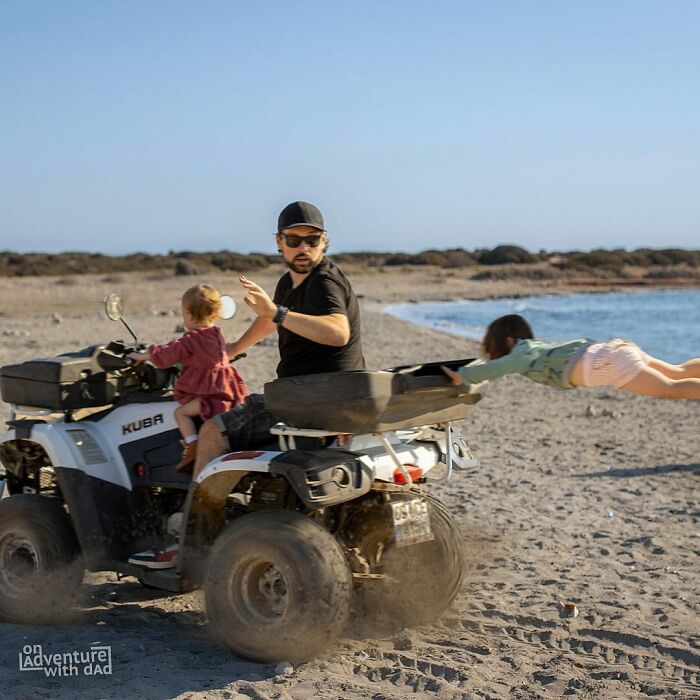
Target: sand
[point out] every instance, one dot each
(586, 497)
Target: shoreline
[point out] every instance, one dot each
(434, 283)
(553, 316)
(632, 288)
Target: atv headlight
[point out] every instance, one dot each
(89, 450)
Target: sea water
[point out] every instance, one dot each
(666, 324)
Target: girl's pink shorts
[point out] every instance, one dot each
(613, 362)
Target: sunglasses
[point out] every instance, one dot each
(294, 241)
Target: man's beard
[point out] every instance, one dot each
(302, 268)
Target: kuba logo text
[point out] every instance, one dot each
(141, 424)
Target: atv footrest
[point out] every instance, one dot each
(165, 579)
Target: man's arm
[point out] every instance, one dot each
(330, 329)
(333, 329)
(259, 329)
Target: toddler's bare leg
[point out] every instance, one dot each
(654, 383)
(687, 370)
(184, 415)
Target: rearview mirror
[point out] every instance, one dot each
(114, 307)
(228, 306)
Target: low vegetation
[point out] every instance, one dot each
(669, 263)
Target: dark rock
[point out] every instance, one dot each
(185, 267)
(402, 642)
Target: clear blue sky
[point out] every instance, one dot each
(155, 125)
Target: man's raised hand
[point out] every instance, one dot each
(258, 299)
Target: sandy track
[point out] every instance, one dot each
(587, 497)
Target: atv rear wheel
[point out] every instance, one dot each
(421, 580)
(40, 564)
(278, 587)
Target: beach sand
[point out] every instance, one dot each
(586, 497)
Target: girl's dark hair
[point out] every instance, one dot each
(510, 326)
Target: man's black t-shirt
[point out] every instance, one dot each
(325, 291)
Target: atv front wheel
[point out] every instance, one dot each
(420, 581)
(40, 564)
(278, 587)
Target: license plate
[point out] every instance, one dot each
(411, 522)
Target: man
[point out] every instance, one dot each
(316, 315)
(317, 318)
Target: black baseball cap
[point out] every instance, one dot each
(300, 214)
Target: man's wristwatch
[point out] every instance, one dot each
(281, 314)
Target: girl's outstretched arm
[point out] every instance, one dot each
(168, 354)
(514, 363)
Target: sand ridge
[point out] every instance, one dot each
(587, 497)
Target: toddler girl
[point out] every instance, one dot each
(207, 384)
(511, 348)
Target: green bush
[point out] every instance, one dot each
(504, 254)
(13, 264)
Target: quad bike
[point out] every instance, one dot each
(330, 511)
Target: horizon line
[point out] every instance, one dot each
(173, 252)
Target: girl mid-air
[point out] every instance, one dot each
(511, 349)
(207, 384)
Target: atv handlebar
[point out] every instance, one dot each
(111, 362)
(115, 356)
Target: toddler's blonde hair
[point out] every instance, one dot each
(203, 302)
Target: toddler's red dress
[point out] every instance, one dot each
(205, 371)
